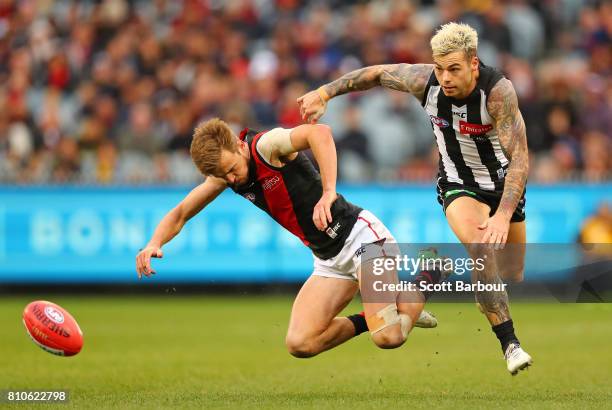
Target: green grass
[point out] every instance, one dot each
(203, 352)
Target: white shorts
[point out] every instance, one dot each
(367, 230)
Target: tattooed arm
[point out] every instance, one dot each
(503, 107)
(411, 78)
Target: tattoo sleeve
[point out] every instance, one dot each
(503, 107)
(411, 78)
(494, 303)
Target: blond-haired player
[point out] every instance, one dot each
(482, 142)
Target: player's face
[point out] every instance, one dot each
(234, 166)
(456, 73)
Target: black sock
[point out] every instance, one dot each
(429, 277)
(359, 322)
(505, 334)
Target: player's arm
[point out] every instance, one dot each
(282, 145)
(172, 223)
(502, 104)
(410, 78)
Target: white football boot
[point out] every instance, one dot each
(426, 320)
(516, 358)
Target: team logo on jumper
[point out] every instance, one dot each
(474, 129)
(250, 196)
(333, 232)
(460, 114)
(270, 183)
(440, 122)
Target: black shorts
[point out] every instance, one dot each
(449, 191)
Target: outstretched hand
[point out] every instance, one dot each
(143, 260)
(312, 107)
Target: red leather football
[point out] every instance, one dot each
(52, 328)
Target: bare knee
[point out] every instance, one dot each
(388, 328)
(389, 338)
(301, 346)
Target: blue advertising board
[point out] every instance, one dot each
(91, 235)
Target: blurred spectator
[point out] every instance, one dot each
(109, 91)
(67, 163)
(106, 162)
(353, 151)
(596, 148)
(139, 135)
(526, 29)
(565, 147)
(596, 108)
(597, 229)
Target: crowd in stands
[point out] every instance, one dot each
(109, 91)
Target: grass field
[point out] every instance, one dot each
(222, 352)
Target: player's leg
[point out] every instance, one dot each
(511, 262)
(392, 313)
(313, 326)
(511, 259)
(388, 326)
(464, 215)
(413, 303)
(389, 322)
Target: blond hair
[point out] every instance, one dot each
(453, 37)
(209, 139)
